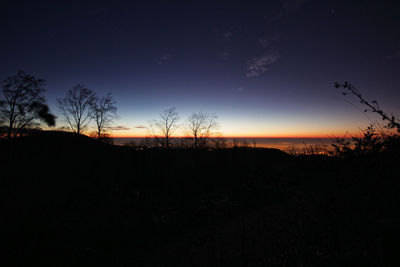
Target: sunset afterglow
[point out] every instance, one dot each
(266, 69)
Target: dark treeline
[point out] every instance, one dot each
(70, 200)
(23, 109)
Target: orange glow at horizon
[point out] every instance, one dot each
(327, 135)
(231, 127)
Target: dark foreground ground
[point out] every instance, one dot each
(70, 201)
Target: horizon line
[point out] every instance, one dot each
(243, 137)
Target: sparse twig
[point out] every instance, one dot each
(373, 106)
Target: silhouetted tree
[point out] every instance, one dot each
(3, 128)
(23, 105)
(163, 128)
(103, 112)
(200, 127)
(76, 107)
(219, 142)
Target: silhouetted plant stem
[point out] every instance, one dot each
(373, 105)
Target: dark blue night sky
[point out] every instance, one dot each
(267, 68)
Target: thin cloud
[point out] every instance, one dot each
(140, 127)
(119, 128)
(264, 43)
(293, 5)
(225, 56)
(395, 55)
(288, 7)
(164, 59)
(268, 41)
(227, 35)
(240, 89)
(100, 11)
(260, 65)
(223, 35)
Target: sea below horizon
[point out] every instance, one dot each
(285, 144)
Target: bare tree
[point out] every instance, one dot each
(103, 112)
(76, 107)
(200, 127)
(23, 105)
(3, 128)
(218, 141)
(163, 128)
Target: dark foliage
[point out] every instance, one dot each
(371, 144)
(43, 112)
(69, 200)
(22, 104)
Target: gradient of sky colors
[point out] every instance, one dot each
(266, 68)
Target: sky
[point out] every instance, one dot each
(266, 68)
